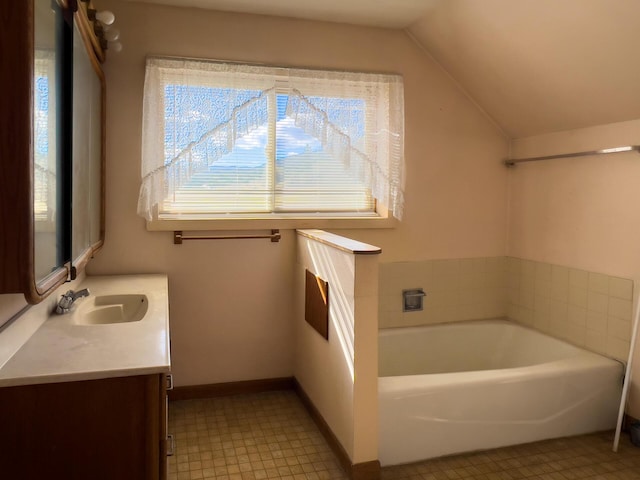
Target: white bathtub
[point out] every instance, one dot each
(476, 385)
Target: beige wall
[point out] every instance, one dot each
(231, 302)
(579, 212)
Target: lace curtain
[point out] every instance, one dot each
(369, 145)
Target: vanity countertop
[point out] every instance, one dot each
(62, 351)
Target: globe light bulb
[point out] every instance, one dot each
(112, 35)
(106, 17)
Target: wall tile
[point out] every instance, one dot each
(577, 316)
(446, 274)
(526, 298)
(457, 289)
(596, 341)
(597, 322)
(526, 316)
(543, 272)
(558, 311)
(598, 283)
(578, 278)
(542, 304)
(560, 283)
(576, 334)
(512, 311)
(621, 288)
(618, 348)
(514, 265)
(597, 302)
(620, 308)
(577, 296)
(585, 308)
(528, 268)
(620, 329)
(541, 320)
(390, 303)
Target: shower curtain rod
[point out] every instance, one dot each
(605, 151)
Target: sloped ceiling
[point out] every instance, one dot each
(539, 66)
(534, 66)
(380, 13)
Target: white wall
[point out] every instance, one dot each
(580, 212)
(231, 301)
(340, 374)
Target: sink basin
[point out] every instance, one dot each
(108, 309)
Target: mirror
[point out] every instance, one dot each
(88, 110)
(51, 127)
(33, 129)
(46, 141)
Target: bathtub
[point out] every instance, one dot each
(476, 385)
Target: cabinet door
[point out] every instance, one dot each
(98, 429)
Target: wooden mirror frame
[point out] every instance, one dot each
(96, 56)
(17, 255)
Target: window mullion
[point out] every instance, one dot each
(270, 150)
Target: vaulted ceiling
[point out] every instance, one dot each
(534, 66)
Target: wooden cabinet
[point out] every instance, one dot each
(109, 429)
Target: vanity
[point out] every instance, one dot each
(85, 396)
(83, 393)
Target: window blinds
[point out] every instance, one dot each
(222, 139)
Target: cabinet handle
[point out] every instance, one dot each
(169, 381)
(171, 445)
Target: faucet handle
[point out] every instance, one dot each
(81, 293)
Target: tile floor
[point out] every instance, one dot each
(270, 435)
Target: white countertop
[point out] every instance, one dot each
(62, 351)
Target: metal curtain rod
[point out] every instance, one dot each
(605, 151)
(178, 237)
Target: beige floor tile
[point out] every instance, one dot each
(271, 436)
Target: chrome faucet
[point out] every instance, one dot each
(69, 298)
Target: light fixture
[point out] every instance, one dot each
(103, 28)
(112, 34)
(105, 17)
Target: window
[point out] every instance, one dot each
(226, 140)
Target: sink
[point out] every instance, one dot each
(108, 309)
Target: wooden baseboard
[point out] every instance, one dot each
(231, 388)
(356, 471)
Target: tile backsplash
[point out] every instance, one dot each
(457, 289)
(588, 309)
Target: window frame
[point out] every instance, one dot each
(380, 217)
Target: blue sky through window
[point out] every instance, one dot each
(191, 111)
(303, 177)
(41, 106)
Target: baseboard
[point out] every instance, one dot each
(355, 471)
(231, 388)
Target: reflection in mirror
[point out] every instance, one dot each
(87, 149)
(45, 141)
(34, 146)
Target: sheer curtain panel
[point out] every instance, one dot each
(224, 139)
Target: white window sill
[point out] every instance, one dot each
(268, 222)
